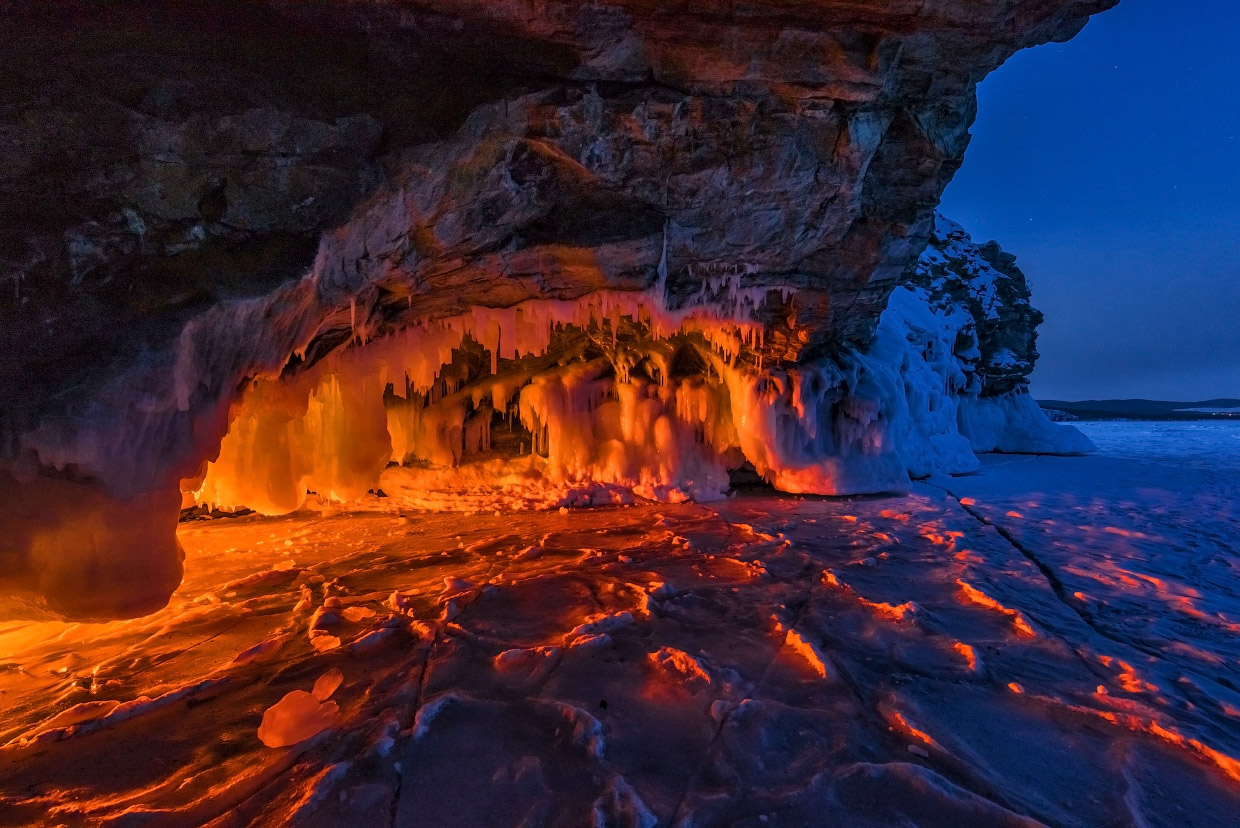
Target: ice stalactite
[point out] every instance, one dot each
(650, 402)
(327, 429)
(818, 428)
(660, 440)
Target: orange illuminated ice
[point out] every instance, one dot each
(976, 596)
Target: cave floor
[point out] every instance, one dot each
(986, 651)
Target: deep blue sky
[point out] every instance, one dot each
(1110, 165)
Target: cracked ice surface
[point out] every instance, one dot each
(877, 662)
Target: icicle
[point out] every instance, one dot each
(661, 284)
(320, 429)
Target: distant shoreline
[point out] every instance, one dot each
(1224, 409)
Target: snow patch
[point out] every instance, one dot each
(808, 650)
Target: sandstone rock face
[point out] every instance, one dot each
(199, 194)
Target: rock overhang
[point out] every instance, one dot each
(789, 149)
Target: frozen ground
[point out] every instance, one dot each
(1050, 641)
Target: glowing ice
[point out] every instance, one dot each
(300, 715)
(71, 550)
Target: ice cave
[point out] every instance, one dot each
(551, 413)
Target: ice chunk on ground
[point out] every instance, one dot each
(807, 650)
(327, 684)
(295, 718)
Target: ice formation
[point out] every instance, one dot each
(1014, 423)
(300, 715)
(586, 412)
(612, 397)
(967, 311)
(663, 415)
(615, 396)
(69, 549)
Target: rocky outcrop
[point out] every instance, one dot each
(199, 194)
(964, 331)
(999, 347)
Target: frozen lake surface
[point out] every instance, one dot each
(1049, 642)
(1199, 444)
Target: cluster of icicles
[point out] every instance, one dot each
(654, 433)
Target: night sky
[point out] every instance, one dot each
(1110, 166)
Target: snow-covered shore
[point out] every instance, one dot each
(1049, 641)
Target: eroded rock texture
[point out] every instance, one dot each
(198, 194)
(1001, 344)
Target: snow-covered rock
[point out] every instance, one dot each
(968, 309)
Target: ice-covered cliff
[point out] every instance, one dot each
(652, 241)
(967, 313)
